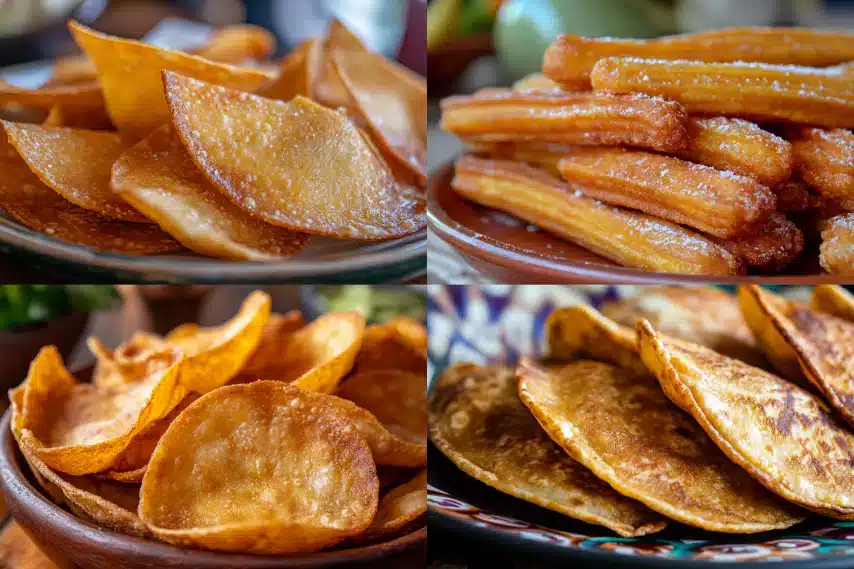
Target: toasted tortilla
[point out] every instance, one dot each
(782, 435)
(478, 421)
(834, 300)
(628, 433)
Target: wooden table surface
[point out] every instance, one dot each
(216, 305)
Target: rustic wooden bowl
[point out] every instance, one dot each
(69, 540)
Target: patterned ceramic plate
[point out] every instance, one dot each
(497, 324)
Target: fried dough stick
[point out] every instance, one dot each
(570, 58)
(719, 203)
(837, 247)
(824, 158)
(776, 245)
(793, 196)
(754, 91)
(504, 115)
(626, 237)
(541, 154)
(739, 146)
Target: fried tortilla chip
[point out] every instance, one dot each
(389, 104)
(85, 95)
(297, 73)
(478, 421)
(295, 165)
(71, 117)
(84, 428)
(833, 300)
(213, 481)
(398, 509)
(702, 315)
(75, 164)
(130, 76)
(215, 355)
(109, 504)
(131, 361)
(783, 436)
(16, 424)
(26, 199)
(397, 398)
(318, 356)
(277, 331)
(328, 88)
(237, 44)
(623, 428)
(158, 177)
(821, 343)
(392, 346)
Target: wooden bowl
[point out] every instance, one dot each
(69, 540)
(512, 251)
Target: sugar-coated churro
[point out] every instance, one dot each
(504, 115)
(738, 146)
(716, 202)
(755, 91)
(630, 238)
(824, 158)
(536, 82)
(793, 196)
(773, 247)
(837, 248)
(570, 58)
(542, 154)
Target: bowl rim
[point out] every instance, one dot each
(494, 252)
(84, 534)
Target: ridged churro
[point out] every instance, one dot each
(739, 146)
(536, 82)
(773, 247)
(754, 91)
(824, 158)
(504, 115)
(837, 247)
(630, 238)
(542, 154)
(569, 59)
(716, 202)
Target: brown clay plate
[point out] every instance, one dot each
(512, 251)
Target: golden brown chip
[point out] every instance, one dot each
(833, 300)
(213, 481)
(110, 504)
(91, 119)
(26, 199)
(85, 95)
(782, 435)
(398, 509)
(297, 73)
(158, 177)
(76, 164)
(316, 357)
(328, 88)
(822, 345)
(389, 104)
(398, 399)
(84, 428)
(296, 165)
(478, 421)
(131, 361)
(622, 427)
(72, 70)
(277, 331)
(16, 424)
(130, 76)
(701, 315)
(393, 345)
(238, 43)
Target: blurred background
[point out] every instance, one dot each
(473, 44)
(35, 29)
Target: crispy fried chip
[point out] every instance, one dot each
(821, 344)
(277, 331)
(71, 117)
(158, 177)
(398, 509)
(215, 355)
(626, 432)
(295, 165)
(75, 164)
(236, 44)
(397, 398)
(319, 355)
(328, 88)
(16, 424)
(833, 300)
(85, 95)
(390, 105)
(110, 504)
(72, 70)
(782, 435)
(130, 76)
(478, 421)
(131, 361)
(26, 199)
(387, 346)
(84, 428)
(297, 73)
(213, 481)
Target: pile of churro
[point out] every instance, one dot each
(721, 152)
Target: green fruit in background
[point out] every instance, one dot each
(443, 18)
(525, 28)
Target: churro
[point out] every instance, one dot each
(504, 115)
(716, 202)
(536, 82)
(776, 245)
(630, 238)
(824, 158)
(542, 154)
(569, 59)
(793, 196)
(837, 247)
(754, 91)
(739, 146)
